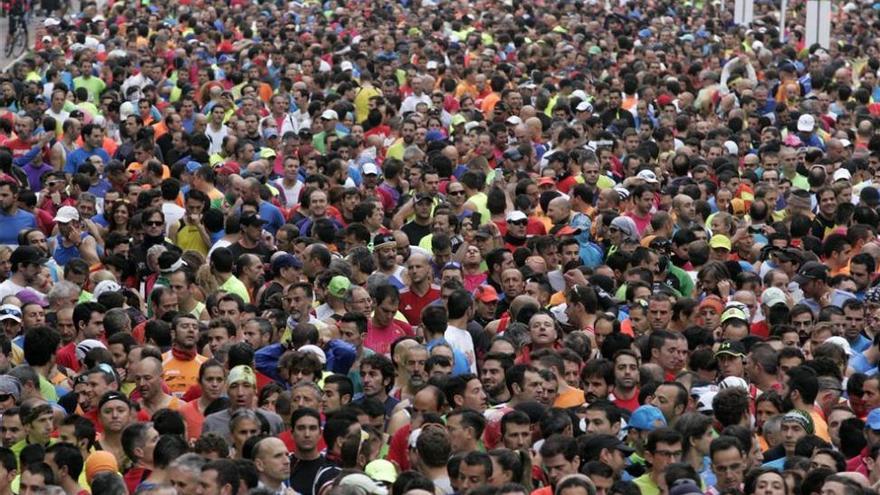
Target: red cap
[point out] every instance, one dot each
(229, 168)
(567, 230)
(546, 181)
(486, 294)
(664, 100)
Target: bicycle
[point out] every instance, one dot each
(17, 38)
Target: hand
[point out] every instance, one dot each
(194, 218)
(724, 287)
(73, 236)
(575, 277)
(55, 197)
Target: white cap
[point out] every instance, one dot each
(579, 94)
(87, 345)
(584, 106)
(516, 216)
(370, 169)
(51, 22)
(346, 65)
(330, 115)
(431, 65)
(704, 403)
(66, 214)
(846, 143)
(806, 123)
(733, 381)
(514, 120)
(105, 286)
(732, 148)
(316, 351)
(648, 176)
(840, 342)
(841, 174)
(470, 125)
(773, 296)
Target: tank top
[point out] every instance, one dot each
(188, 238)
(480, 200)
(63, 255)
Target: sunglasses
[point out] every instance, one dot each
(154, 224)
(5, 397)
(521, 223)
(455, 193)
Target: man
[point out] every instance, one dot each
(602, 418)
(609, 450)
(38, 427)
(516, 430)
(181, 364)
(93, 141)
(385, 250)
(728, 463)
(474, 472)
(800, 389)
(626, 380)
(796, 425)
(420, 226)
(421, 290)
(183, 283)
(460, 309)
(8, 470)
(493, 377)
(337, 393)
(559, 457)
(185, 473)
(25, 264)
(11, 427)
(377, 374)
(382, 328)
(148, 378)
(434, 449)
(465, 428)
(307, 460)
(813, 281)
(854, 313)
(12, 219)
(272, 463)
(669, 350)
(659, 311)
(662, 449)
(35, 478)
(139, 442)
(251, 239)
(67, 463)
(241, 388)
(219, 477)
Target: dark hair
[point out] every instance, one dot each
(304, 412)
(168, 448)
(384, 365)
(40, 344)
(470, 419)
(42, 469)
(227, 473)
(729, 405)
(559, 444)
(661, 435)
(67, 456)
(804, 380)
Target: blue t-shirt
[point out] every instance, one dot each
(11, 225)
(272, 215)
(80, 155)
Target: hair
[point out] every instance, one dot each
(730, 405)
(804, 380)
(133, 436)
(725, 442)
(470, 419)
(67, 456)
(692, 426)
(434, 447)
(227, 473)
(662, 435)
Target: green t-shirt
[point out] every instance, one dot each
(94, 85)
(235, 286)
(646, 485)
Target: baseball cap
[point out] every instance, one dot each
(773, 296)
(423, 197)
(370, 169)
(811, 270)
(646, 418)
(648, 176)
(684, 487)
(330, 115)
(719, 241)
(382, 239)
(9, 385)
(584, 107)
(10, 312)
(841, 174)
(731, 348)
(512, 154)
(484, 231)
(86, 346)
(516, 216)
(346, 65)
(317, 351)
(514, 120)
(733, 382)
(873, 419)
(252, 220)
(704, 403)
(595, 444)
(546, 181)
(338, 286)
(381, 470)
(840, 342)
(364, 483)
(734, 313)
(66, 214)
(241, 373)
(285, 260)
(106, 286)
(486, 294)
(806, 123)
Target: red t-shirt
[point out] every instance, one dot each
(412, 304)
(397, 448)
(66, 357)
(630, 404)
(379, 339)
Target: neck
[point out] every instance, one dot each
(307, 455)
(431, 472)
(695, 459)
(186, 306)
(503, 397)
(156, 402)
(270, 483)
(422, 287)
(458, 323)
(70, 486)
(112, 438)
(624, 393)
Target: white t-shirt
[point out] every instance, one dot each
(173, 213)
(461, 340)
(9, 288)
(216, 138)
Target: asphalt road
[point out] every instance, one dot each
(4, 30)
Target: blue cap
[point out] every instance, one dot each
(646, 33)
(340, 356)
(285, 260)
(434, 136)
(873, 419)
(191, 167)
(646, 418)
(225, 59)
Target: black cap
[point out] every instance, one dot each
(26, 254)
(513, 154)
(423, 196)
(594, 446)
(381, 239)
(252, 220)
(811, 270)
(731, 348)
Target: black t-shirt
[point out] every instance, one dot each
(415, 232)
(303, 473)
(260, 250)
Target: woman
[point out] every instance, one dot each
(697, 433)
(212, 381)
(114, 414)
(509, 466)
(714, 279)
(765, 481)
(243, 424)
(118, 216)
(767, 405)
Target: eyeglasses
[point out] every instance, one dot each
(154, 224)
(455, 193)
(613, 229)
(5, 397)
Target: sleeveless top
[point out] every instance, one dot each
(188, 238)
(63, 255)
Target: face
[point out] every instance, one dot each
(770, 484)
(517, 436)
(273, 460)
(306, 432)
(729, 468)
(659, 314)
(470, 477)
(474, 396)
(115, 415)
(373, 382)
(595, 388)
(348, 331)
(791, 433)
(302, 397)
(331, 400)
(672, 355)
(598, 423)
(241, 394)
(243, 430)
(626, 372)
(31, 484)
(11, 430)
(148, 378)
(213, 382)
(492, 376)
(664, 454)
(558, 466)
(665, 399)
(542, 330)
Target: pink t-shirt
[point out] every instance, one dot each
(641, 222)
(379, 339)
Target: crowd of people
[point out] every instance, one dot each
(431, 248)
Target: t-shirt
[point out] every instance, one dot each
(180, 374)
(414, 232)
(236, 286)
(379, 339)
(9, 288)
(412, 304)
(461, 340)
(646, 485)
(11, 225)
(218, 423)
(303, 474)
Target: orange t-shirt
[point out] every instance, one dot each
(194, 419)
(180, 375)
(571, 398)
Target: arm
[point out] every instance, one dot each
(400, 217)
(88, 250)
